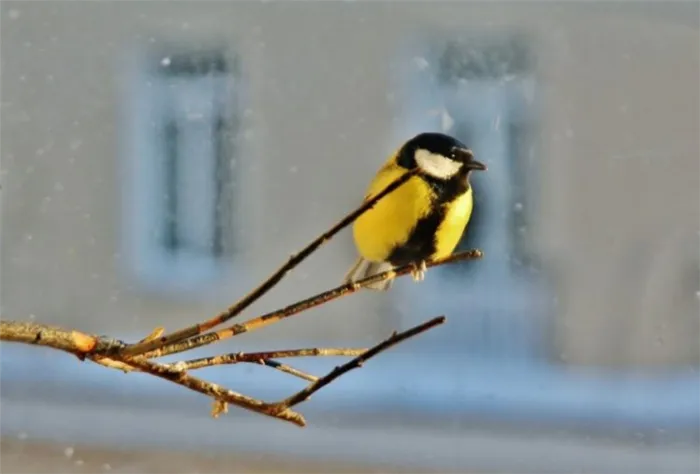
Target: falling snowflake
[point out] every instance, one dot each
(447, 122)
(421, 63)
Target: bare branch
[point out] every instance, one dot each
(303, 305)
(289, 370)
(89, 346)
(75, 342)
(115, 354)
(267, 359)
(237, 357)
(215, 391)
(150, 345)
(394, 339)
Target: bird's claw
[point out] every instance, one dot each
(418, 272)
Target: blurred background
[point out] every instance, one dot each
(161, 158)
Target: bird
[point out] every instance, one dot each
(424, 218)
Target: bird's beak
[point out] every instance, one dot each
(476, 165)
(467, 157)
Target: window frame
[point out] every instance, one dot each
(149, 100)
(478, 287)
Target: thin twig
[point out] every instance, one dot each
(288, 369)
(300, 306)
(111, 363)
(250, 298)
(237, 357)
(394, 339)
(215, 391)
(215, 360)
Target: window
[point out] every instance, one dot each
(488, 90)
(481, 89)
(179, 202)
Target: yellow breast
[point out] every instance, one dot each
(391, 221)
(452, 227)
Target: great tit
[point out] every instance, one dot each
(422, 219)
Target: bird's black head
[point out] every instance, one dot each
(438, 155)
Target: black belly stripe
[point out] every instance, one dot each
(421, 242)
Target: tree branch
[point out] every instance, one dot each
(115, 354)
(288, 370)
(86, 346)
(267, 359)
(89, 346)
(300, 306)
(215, 391)
(394, 339)
(75, 342)
(237, 357)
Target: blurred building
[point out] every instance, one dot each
(160, 159)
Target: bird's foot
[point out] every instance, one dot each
(418, 272)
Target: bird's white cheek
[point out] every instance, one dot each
(436, 165)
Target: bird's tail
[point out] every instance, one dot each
(364, 268)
